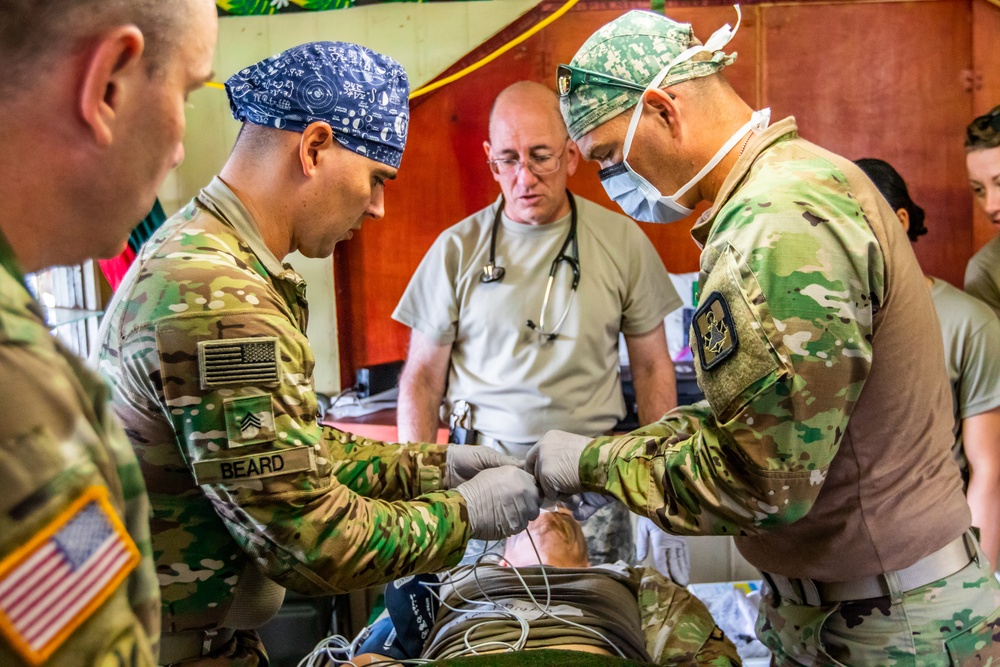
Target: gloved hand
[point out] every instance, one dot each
(464, 461)
(555, 463)
(670, 552)
(584, 505)
(501, 502)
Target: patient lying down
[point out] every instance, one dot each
(616, 610)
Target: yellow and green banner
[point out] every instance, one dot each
(264, 7)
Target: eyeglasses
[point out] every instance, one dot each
(978, 127)
(539, 165)
(569, 78)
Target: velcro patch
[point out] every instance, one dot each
(238, 362)
(714, 331)
(254, 466)
(249, 420)
(54, 582)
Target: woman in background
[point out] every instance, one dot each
(982, 146)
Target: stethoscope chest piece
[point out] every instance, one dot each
(492, 273)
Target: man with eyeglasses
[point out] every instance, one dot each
(824, 445)
(515, 311)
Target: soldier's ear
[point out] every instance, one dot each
(572, 157)
(315, 145)
(110, 73)
(665, 107)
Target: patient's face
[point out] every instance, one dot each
(558, 538)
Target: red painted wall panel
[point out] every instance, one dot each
(881, 79)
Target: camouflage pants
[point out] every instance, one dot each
(608, 533)
(953, 621)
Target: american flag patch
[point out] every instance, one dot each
(238, 361)
(53, 583)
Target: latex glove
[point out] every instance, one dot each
(501, 501)
(670, 552)
(584, 505)
(464, 461)
(555, 463)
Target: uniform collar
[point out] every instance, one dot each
(223, 202)
(780, 131)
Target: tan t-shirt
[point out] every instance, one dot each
(971, 335)
(982, 275)
(519, 384)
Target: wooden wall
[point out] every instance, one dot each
(895, 80)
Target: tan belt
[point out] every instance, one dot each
(517, 449)
(942, 563)
(177, 646)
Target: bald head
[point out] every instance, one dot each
(523, 98)
(526, 128)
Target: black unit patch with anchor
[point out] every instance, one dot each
(714, 331)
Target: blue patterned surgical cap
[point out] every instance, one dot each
(362, 94)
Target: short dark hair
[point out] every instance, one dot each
(984, 131)
(33, 33)
(893, 188)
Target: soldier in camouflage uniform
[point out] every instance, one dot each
(823, 445)
(205, 346)
(88, 82)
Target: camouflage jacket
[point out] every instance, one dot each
(205, 348)
(806, 278)
(77, 580)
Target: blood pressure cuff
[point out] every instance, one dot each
(412, 609)
(382, 640)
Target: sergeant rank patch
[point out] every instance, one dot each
(238, 362)
(59, 577)
(714, 332)
(249, 420)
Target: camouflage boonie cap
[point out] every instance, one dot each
(633, 47)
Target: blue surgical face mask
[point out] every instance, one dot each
(639, 198)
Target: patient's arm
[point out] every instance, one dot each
(679, 629)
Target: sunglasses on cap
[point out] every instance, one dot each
(980, 125)
(569, 78)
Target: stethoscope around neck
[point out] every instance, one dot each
(493, 273)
